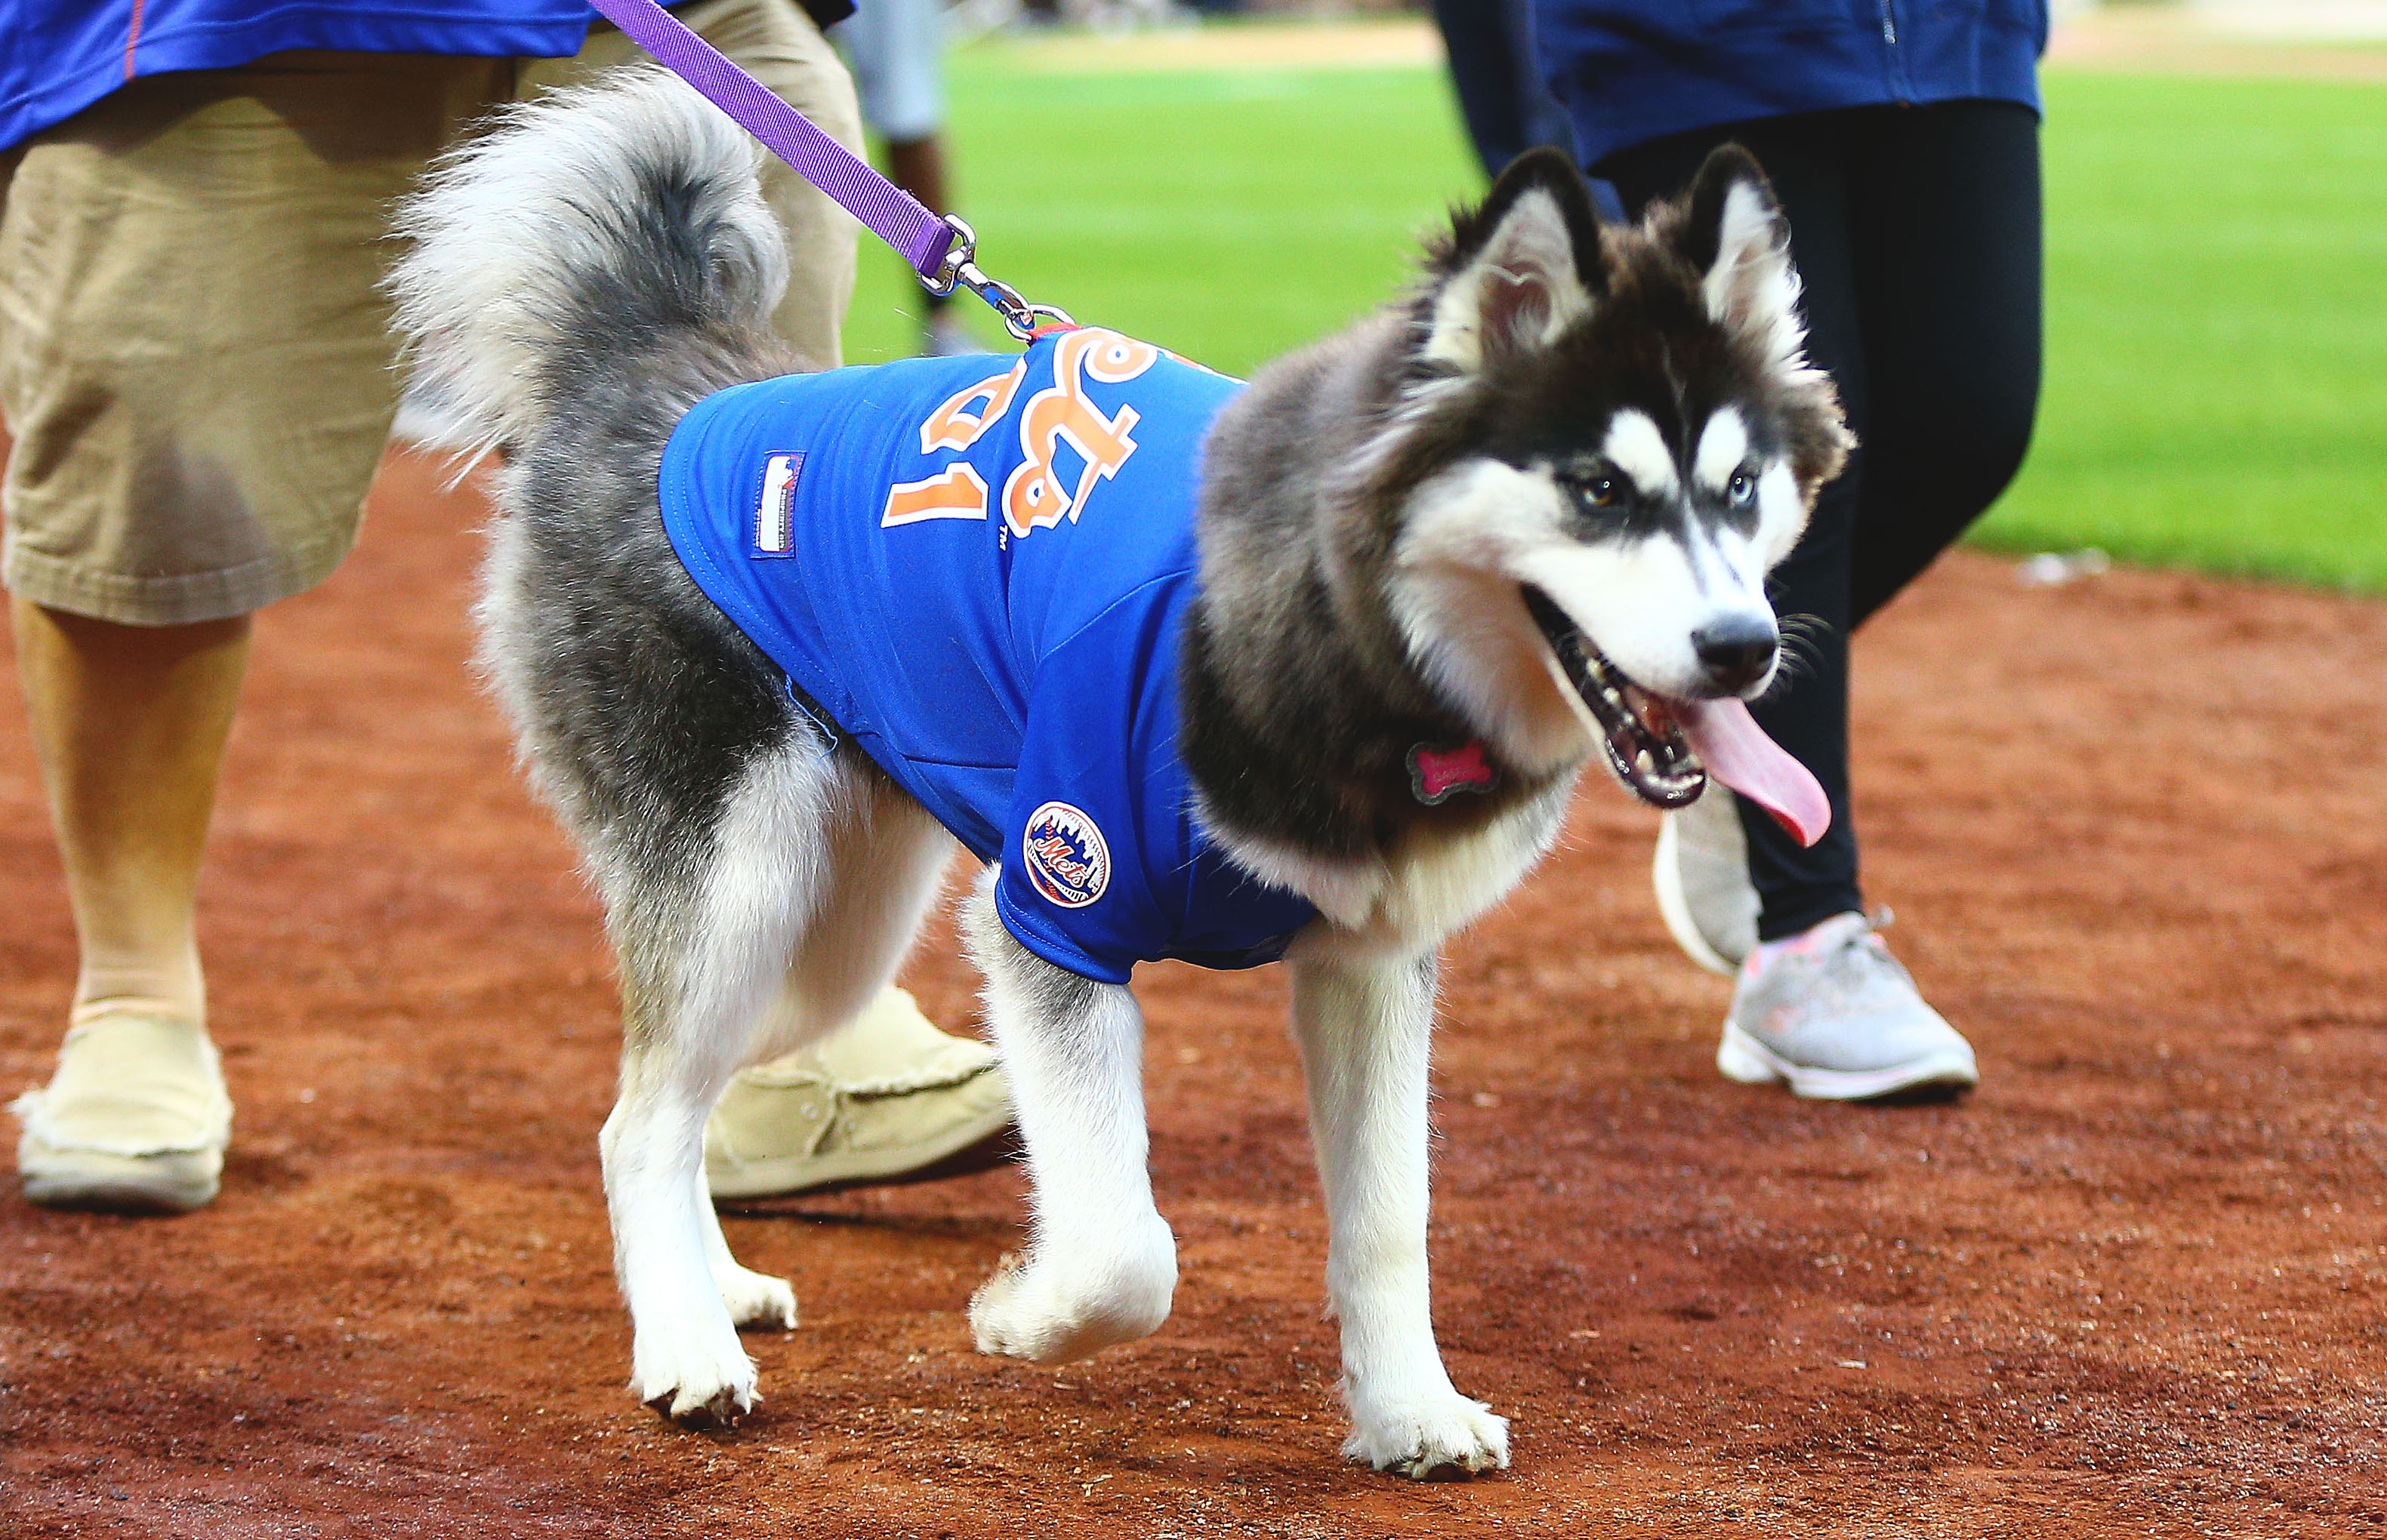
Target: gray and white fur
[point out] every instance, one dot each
(1617, 423)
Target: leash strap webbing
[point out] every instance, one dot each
(895, 215)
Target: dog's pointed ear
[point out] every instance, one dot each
(1517, 270)
(1734, 234)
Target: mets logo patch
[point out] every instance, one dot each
(1066, 859)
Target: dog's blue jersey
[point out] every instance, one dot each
(980, 567)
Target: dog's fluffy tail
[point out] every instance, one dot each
(579, 235)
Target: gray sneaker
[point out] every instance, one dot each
(1835, 1018)
(1701, 875)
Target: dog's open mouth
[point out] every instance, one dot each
(1665, 749)
(1642, 733)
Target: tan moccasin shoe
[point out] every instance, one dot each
(888, 1099)
(136, 1119)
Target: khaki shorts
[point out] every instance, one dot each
(195, 356)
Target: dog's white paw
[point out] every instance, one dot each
(1440, 1434)
(1051, 1313)
(690, 1378)
(757, 1299)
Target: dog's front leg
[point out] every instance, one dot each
(1101, 1263)
(1363, 1024)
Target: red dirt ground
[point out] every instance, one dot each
(2135, 832)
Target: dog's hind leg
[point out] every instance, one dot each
(889, 863)
(752, 1299)
(1102, 1265)
(685, 1360)
(1363, 1024)
(887, 857)
(816, 876)
(704, 936)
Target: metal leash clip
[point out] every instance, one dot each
(958, 269)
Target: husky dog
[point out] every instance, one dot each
(1519, 519)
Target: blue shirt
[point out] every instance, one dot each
(59, 57)
(980, 567)
(1633, 70)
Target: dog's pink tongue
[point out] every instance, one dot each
(1737, 751)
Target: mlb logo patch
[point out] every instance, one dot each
(1068, 862)
(775, 522)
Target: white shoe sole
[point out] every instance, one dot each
(1743, 1058)
(1666, 877)
(171, 1182)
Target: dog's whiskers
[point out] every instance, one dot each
(1801, 649)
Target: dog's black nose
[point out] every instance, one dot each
(1736, 652)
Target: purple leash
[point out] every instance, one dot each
(940, 249)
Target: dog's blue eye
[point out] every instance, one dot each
(1742, 490)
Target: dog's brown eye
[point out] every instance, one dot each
(1598, 490)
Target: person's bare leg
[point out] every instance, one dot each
(129, 725)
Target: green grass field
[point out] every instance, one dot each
(2216, 366)
(2217, 379)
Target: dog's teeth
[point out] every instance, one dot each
(1644, 762)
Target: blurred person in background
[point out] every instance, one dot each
(1902, 142)
(196, 368)
(897, 48)
(1507, 107)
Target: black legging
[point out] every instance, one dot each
(1916, 230)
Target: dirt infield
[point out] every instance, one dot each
(2135, 833)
